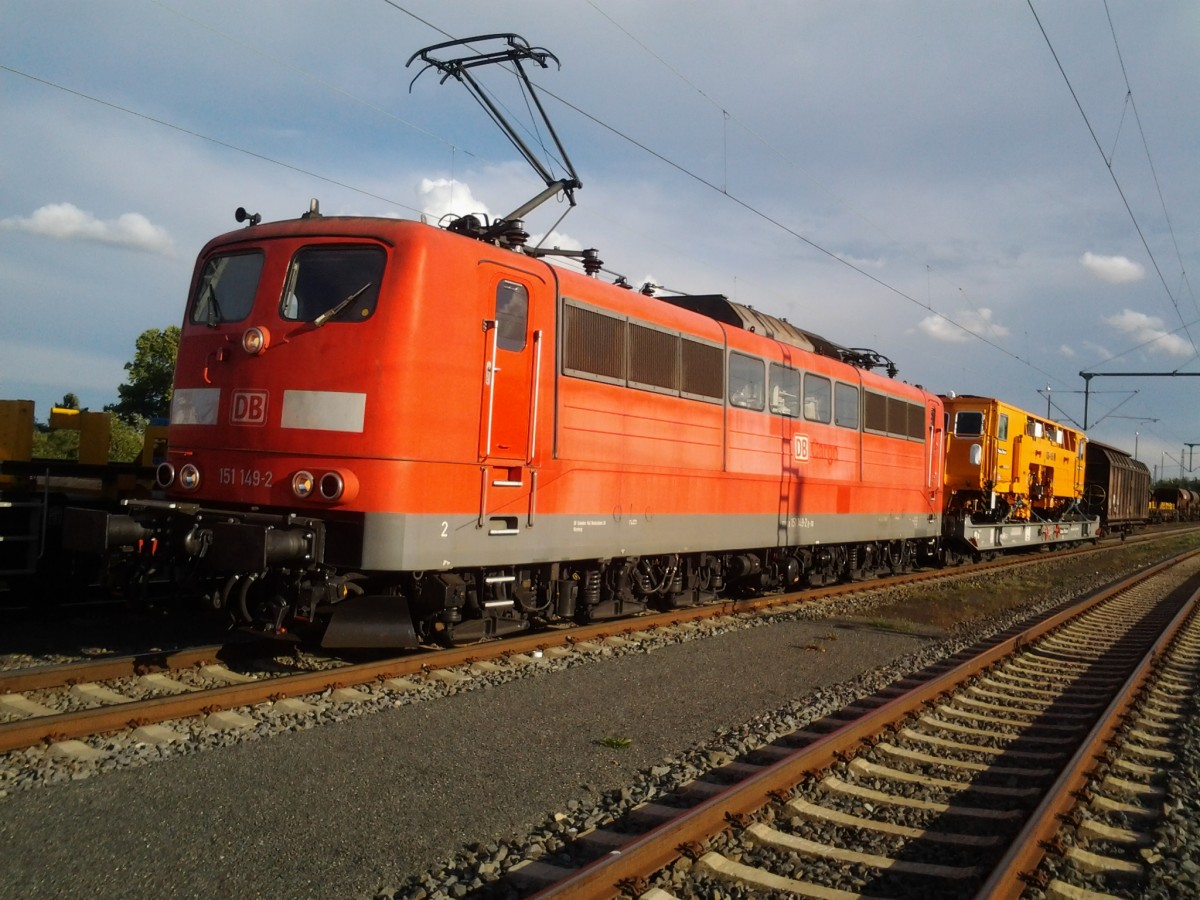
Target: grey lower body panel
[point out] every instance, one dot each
(400, 542)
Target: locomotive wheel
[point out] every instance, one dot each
(952, 557)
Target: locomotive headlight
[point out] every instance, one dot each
(303, 484)
(332, 485)
(340, 484)
(255, 340)
(189, 477)
(164, 475)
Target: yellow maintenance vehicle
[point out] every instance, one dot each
(1012, 478)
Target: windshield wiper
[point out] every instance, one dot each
(214, 308)
(334, 310)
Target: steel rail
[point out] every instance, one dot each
(59, 674)
(660, 846)
(81, 723)
(1029, 847)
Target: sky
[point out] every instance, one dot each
(995, 196)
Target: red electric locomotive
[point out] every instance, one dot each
(408, 433)
(395, 432)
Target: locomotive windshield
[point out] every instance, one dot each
(226, 289)
(333, 283)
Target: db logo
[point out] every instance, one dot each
(249, 408)
(800, 446)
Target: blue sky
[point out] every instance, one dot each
(920, 178)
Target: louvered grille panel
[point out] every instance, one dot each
(876, 412)
(897, 417)
(653, 357)
(595, 343)
(703, 370)
(916, 422)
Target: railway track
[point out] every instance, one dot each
(60, 706)
(953, 784)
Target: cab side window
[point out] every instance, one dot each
(845, 405)
(512, 315)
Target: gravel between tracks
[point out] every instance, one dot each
(357, 809)
(340, 811)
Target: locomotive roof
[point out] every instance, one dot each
(715, 306)
(722, 309)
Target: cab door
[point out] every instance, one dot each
(511, 302)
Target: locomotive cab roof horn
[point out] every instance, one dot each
(514, 51)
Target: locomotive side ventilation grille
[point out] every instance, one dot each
(703, 370)
(653, 358)
(876, 412)
(602, 347)
(916, 422)
(595, 344)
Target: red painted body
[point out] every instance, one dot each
(422, 361)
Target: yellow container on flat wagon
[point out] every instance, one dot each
(1010, 464)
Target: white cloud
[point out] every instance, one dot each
(441, 197)
(1149, 330)
(1066, 350)
(67, 222)
(973, 321)
(556, 240)
(448, 197)
(1113, 269)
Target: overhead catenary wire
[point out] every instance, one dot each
(1150, 161)
(722, 189)
(606, 126)
(679, 167)
(204, 137)
(1108, 165)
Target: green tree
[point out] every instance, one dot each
(49, 444)
(125, 442)
(147, 395)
